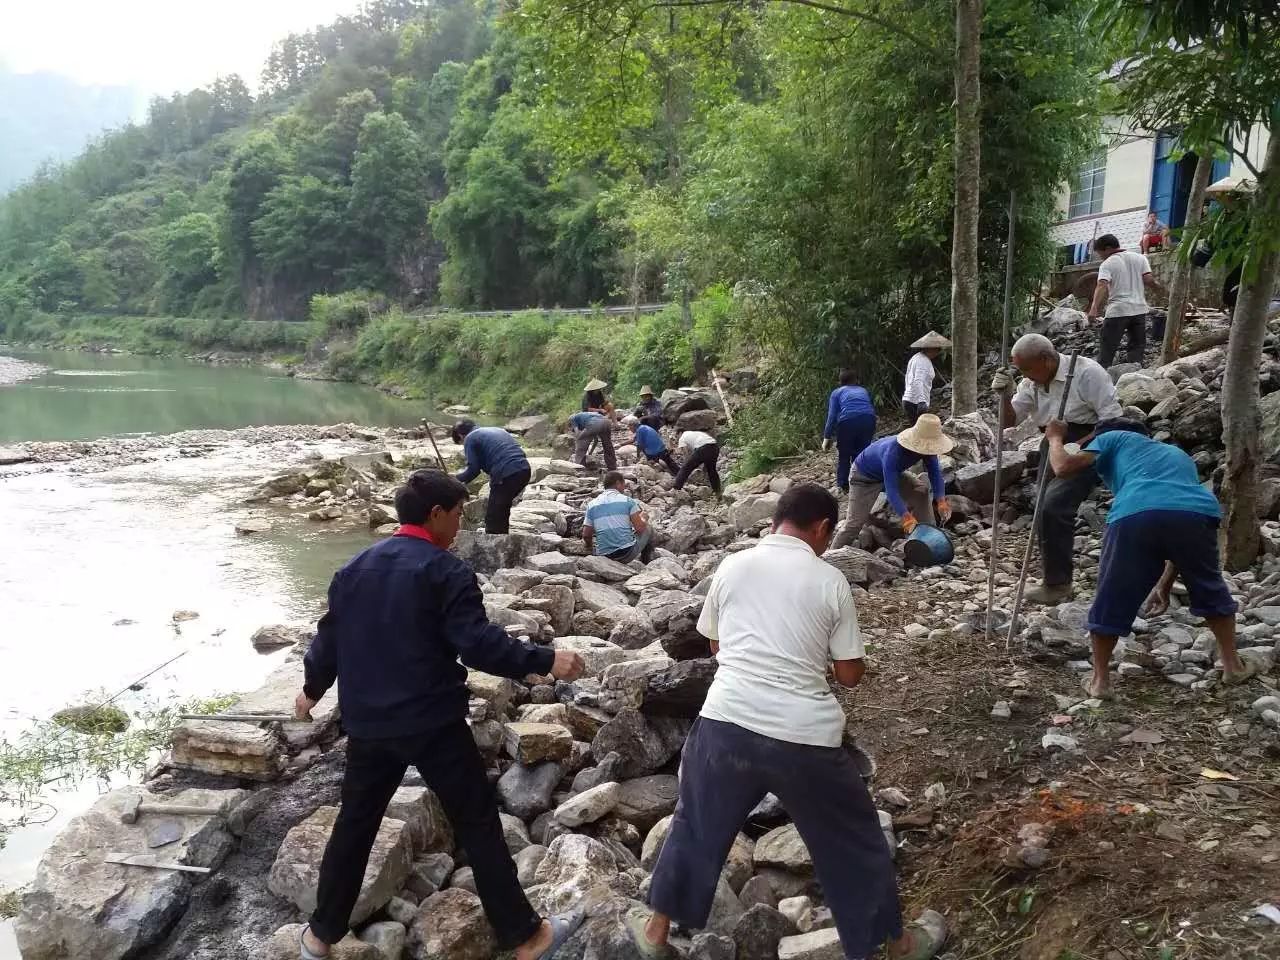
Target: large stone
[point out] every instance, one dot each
(704, 420)
(975, 441)
(711, 946)
(1270, 436)
(535, 428)
(783, 848)
(561, 605)
(577, 870)
(515, 833)
(525, 791)
(490, 552)
(388, 938)
(726, 909)
(597, 654)
(817, 945)
(751, 511)
(282, 485)
(277, 694)
(978, 481)
(645, 744)
(279, 635)
(80, 907)
(684, 529)
(644, 801)
(758, 931)
(653, 580)
(591, 596)
(860, 567)
(535, 742)
(679, 403)
(1199, 422)
(604, 569)
(423, 813)
(296, 871)
(498, 692)
(451, 925)
(1139, 389)
(588, 806)
(663, 606)
(680, 689)
(515, 580)
(634, 631)
(228, 749)
(552, 562)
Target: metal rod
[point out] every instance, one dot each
(1035, 514)
(240, 717)
(1004, 353)
(432, 437)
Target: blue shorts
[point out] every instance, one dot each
(1134, 551)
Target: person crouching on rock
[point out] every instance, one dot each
(1162, 523)
(883, 465)
(590, 427)
(649, 409)
(497, 453)
(851, 423)
(615, 525)
(776, 615)
(699, 450)
(401, 615)
(650, 443)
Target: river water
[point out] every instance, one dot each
(98, 554)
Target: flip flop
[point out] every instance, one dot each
(563, 926)
(306, 954)
(928, 934)
(635, 922)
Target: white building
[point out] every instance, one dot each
(1133, 172)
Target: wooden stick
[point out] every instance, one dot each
(715, 378)
(1004, 351)
(1035, 514)
(140, 860)
(241, 717)
(439, 459)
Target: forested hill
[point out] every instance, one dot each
(443, 153)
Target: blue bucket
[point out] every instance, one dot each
(928, 546)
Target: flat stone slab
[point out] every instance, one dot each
(296, 871)
(276, 695)
(79, 906)
(231, 749)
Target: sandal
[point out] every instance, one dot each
(563, 926)
(1251, 667)
(928, 933)
(306, 953)
(635, 922)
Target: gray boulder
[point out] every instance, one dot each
(644, 801)
(534, 429)
(490, 552)
(753, 510)
(680, 689)
(704, 420)
(860, 567)
(451, 925)
(644, 744)
(978, 481)
(526, 791)
(758, 931)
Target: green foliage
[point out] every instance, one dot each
(342, 313)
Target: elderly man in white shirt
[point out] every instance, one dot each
(1092, 400)
(776, 615)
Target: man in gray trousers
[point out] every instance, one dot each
(776, 615)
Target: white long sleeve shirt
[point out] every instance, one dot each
(1092, 398)
(919, 379)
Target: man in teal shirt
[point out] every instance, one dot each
(1162, 524)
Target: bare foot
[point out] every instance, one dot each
(536, 945)
(1239, 671)
(1098, 687)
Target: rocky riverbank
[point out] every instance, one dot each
(1015, 805)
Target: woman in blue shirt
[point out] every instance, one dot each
(650, 443)
(851, 422)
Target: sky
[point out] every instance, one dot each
(156, 46)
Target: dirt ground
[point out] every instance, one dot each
(1150, 857)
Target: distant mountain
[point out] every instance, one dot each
(45, 116)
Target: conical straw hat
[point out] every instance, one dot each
(646, 391)
(926, 437)
(932, 341)
(594, 384)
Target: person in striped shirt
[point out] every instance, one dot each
(615, 525)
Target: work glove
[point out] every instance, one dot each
(826, 444)
(943, 509)
(1001, 382)
(909, 523)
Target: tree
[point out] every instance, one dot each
(190, 258)
(964, 244)
(303, 231)
(388, 189)
(1181, 283)
(1212, 68)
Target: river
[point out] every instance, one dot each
(99, 553)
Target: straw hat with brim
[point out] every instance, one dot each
(932, 341)
(926, 437)
(646, 391)
(595, 385)
(1230, 185)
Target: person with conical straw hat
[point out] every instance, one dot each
(883, 466)
(593, 397)
(920, 373)
(649, 410)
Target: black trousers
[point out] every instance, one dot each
(652, 421)
(725, 771)
(1062, 499)
(1115, 329)
(705, 457)
(502, 494)
(913, 411)
(665, 458)
(452, 767)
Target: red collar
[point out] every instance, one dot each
(413, 530)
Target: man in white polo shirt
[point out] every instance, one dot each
(776, 615)
(1123, 281)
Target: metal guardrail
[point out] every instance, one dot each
(620, 311)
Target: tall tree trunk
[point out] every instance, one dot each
(1182, 265)
(964, 241)
(1241, 419)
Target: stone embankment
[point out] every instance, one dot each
(585, 772)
